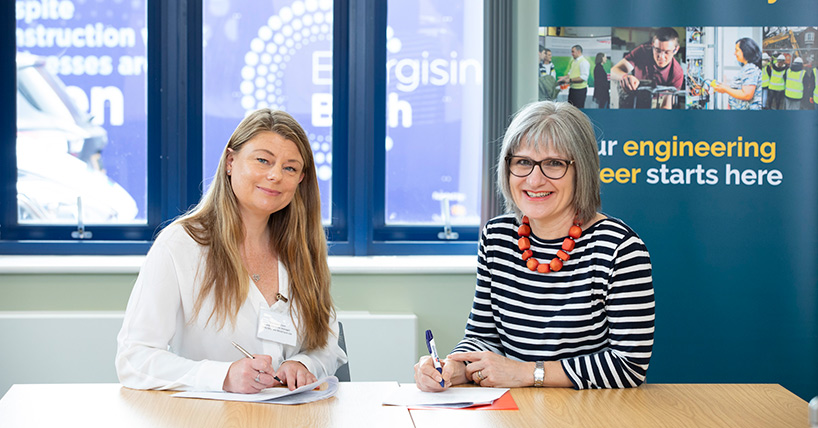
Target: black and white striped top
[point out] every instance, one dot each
(595, 315)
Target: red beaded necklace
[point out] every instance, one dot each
(562, 255)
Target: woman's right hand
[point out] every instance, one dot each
(249, 376)
(718, 87)
(428, 379)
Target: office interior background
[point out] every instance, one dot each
(144, 95)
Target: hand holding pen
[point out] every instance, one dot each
(430, 344)
(251, 374)
(294, 370)
(250, 356)
(434, 375)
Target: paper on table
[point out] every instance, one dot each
(410, 395)
(303, 394)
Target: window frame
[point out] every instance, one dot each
(370, 235)
(173, 59)
(175, 132)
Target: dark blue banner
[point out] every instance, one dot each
(725, 200)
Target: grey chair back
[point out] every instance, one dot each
(343, 372)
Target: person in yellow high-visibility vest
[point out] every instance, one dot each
(794, 85)
(765, 79)
(776, 71)
(578, 77)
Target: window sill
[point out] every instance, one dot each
(339, 265)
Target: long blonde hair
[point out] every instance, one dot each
(296, 235)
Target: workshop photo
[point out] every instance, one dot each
(648, 71)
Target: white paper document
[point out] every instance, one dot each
(409, 395)
(304, 394)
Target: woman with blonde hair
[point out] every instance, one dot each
(248, 265)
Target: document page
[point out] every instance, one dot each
(279, 395)
(409, 395)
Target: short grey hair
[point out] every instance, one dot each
(568, 131)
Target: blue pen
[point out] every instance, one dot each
(430, 343)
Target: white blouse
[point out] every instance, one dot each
(160, 347)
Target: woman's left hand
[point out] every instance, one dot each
(294, 374)
(496, 370)
(718, 87)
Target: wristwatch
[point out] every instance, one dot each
(539, 374)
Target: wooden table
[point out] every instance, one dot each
(650, 405)
(357, 404)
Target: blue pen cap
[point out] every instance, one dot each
(429, 340)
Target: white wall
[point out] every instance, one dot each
(79, 347)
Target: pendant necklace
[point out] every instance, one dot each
(256, 277)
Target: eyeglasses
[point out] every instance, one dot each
(521, 166)
(658, 51)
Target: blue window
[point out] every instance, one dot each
(123, 109)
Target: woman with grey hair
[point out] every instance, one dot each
(564, 293)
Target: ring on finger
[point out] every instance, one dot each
(257, 377)
(480, 375)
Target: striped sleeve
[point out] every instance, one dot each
(630, 313)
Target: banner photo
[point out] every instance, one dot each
(708, 141)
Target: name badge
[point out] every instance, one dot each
(276, 326)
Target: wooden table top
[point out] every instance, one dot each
(357, 404)
(650, 405)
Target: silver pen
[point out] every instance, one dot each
(250, 356)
